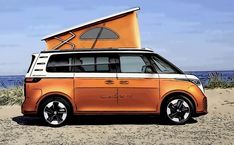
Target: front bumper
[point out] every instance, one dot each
(205, 107)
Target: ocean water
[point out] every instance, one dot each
(11, 81)
(204, 76)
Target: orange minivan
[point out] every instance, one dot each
(60, 84)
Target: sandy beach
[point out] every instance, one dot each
(215, 128)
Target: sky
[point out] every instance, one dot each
(193, 34)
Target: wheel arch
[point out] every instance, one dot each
(176, 93)
(55, 94)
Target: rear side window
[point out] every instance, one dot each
(33, 58)
(60, 63)
(93, 64)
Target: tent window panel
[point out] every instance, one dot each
(99, 33)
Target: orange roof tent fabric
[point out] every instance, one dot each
(120, 30)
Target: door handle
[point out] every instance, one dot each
(124, 82)
(109, 82)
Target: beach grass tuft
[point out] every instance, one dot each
(216, 81)
(11, 96)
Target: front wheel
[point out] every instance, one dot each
(55, 111)
(178, 110)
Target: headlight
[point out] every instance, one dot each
(198, 83)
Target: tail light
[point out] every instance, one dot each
(32, 80)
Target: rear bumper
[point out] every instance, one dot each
(28, 108)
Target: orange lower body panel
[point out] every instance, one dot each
(99, 96)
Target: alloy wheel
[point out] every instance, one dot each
(55, 113)
(178, 110)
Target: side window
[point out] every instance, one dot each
(93, 64)
(132, 64)
(163, 67)
(60, 63)
(86, 64)
(102, 64)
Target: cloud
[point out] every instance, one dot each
(4, 46)
(225, 22)
(195, 31)
(7, 7)
(188, 23)
(42, 29)
(8, 63)
(222, 41)
(213, 5)
(220, 32)
(10, 10)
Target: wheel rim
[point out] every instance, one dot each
(178, 110)
(55, 112)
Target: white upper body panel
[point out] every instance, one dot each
(38, 68)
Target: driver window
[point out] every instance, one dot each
(132, 64)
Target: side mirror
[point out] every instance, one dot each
(147, 69)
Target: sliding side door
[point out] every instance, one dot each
(95, 82)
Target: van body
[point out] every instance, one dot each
(60, 84)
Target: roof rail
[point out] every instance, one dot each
(98, 49)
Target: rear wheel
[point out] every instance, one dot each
(55, 111)
(178, 110)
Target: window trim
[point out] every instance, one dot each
(99, 39)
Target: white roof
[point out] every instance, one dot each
(91, 22)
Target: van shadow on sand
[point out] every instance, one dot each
(101, 120)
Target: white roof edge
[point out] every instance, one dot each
(134, 49)
(111, 51)
(90, 22)
(147, 48)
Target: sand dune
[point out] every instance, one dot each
(215, 128)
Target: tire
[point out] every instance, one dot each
(178, 110)
(55, 111)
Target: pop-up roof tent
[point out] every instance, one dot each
(119, 30)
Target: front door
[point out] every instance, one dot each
(95, 83)
(137, 89)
